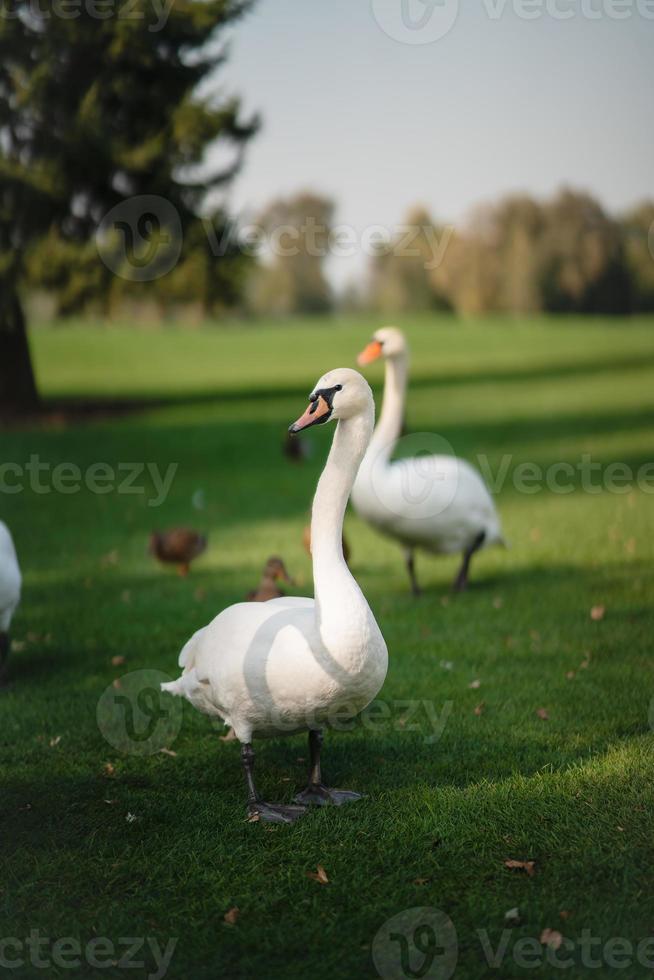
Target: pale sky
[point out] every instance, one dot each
(499, 103)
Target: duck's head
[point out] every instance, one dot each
(339, 394)
(276, 570)
(386, 342)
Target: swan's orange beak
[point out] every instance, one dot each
(318, 411)
(370, 353)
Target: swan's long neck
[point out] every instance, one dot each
(392, 413)
(330, 570)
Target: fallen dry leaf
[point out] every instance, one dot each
(551, 938)
(597, 613)
(421, 881)
(319, 875)
(585, 663)
(527, 866)
(130, 818)
(117, 683)
(232, 915)
(565, 914)
(55, 741)
(474, 685)
(169, 752)
(543, 714)
(109, 769)
(253, 818)
(512, 917)
(479, 708)
(569, 675)
(117, 661)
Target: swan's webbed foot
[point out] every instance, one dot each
(258, 809)
(316, 792)
(321, 795)
(274, 813)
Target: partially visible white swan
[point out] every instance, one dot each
(10, 582)
(435, 502)
(291, 664)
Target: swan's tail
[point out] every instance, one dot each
(174, 687)
(184, 684)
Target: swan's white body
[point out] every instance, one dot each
(434, 502)
(294, 664)
(10, 579)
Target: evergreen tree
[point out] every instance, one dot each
(99, 107)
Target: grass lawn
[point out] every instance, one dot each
(555, 766)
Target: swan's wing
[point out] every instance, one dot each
(439, 501)
(291, 602)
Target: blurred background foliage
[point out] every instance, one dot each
(520, 256)
(95, 113)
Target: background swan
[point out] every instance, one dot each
(10, 582)
(438, 503)
(292, 664)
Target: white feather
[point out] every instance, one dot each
(10, 579)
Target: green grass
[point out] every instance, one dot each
(574, 793)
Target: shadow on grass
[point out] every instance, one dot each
(86, 407)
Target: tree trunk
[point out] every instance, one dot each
(18, 393)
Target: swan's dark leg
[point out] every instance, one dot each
(4, 653)
(270, 812)
(409, 557)
(461, 581)
(316, 791)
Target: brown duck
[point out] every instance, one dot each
(274, 571)
(177, 546)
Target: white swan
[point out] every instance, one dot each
(291, 664)
(435, 502)
(10, 582)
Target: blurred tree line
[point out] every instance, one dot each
(520, 256)
(523, 256)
